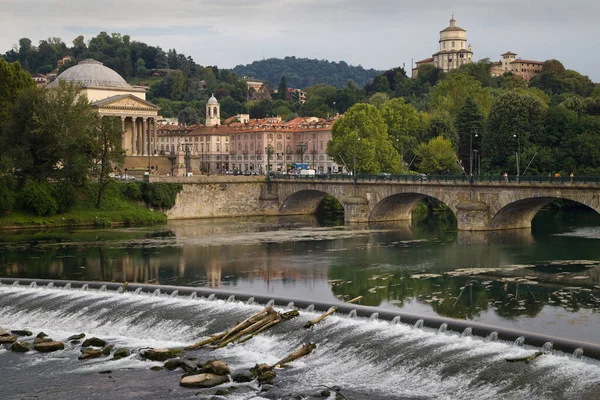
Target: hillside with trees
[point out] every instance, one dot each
(553, 121)
(303, 72)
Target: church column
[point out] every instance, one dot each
(123, 144)
(155, 133)
(144, 151)
(134, 141)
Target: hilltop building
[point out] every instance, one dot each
(526, 69)
(453, 51)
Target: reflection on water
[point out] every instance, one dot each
(513, 278)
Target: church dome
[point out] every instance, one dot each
(212, 100)
(92, 73)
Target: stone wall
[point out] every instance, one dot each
(222, 196)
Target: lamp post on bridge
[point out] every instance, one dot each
(473, 131)
(518, 156)
(354, 169)
(399, 149)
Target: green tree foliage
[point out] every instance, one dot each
(470, 125)
(437, 157)
(7, 185)
(303, 72)
(451, 93)
(189, 116)
(510, 81)
(363, 133)
(515, 118)
(554, 66)
(107, 151)
(378, 99)
(282, 89)
(48, 134)
(37, 196)
(13, 79)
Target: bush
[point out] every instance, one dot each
(7, 199)
(132, 191)
(161, 195)
(64, 193)
(37, 197)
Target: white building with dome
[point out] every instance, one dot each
(453, 50)
(111, 95)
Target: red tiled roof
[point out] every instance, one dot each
(526, 62)
(508, 53)
(425, 60)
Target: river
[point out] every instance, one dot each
(544, 280)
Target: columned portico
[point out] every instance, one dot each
(139, 135)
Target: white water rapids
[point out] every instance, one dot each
(368, 359)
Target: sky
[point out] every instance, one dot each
(380, 34)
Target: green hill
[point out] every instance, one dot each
(303, 72)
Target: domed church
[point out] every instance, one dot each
(110, 94)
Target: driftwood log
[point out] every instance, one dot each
(320, 318)
(305, 350)
(247, 329)
(527, 359)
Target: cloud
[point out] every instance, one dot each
(377, 33)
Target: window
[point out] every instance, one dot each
(452, 44)
(279, 136)
(218, 147)
(246, 136)
(218, 139)
(279, 147)
(270, 136)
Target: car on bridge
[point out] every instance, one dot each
(384, 176)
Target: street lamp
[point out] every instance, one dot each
(301, 148)
(477, 163)
(400, 155)
(354, 169)
(518, 155)
(473, 130)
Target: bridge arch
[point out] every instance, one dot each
(304, 201)
(520, 213)
(397, 207)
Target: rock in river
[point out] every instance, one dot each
(90, 353)
(3, 332)
(161, 354)
(120, 353)
(216, 367)
(47, 347)
(21, 332)
(94, 341)
(76, 337)
(203, 380)
(7, 339)
(20, 347)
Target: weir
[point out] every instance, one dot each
(440, 324)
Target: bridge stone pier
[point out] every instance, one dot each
(478, 206)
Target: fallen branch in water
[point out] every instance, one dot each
(305, 350)
(247, 329)
(527, 359)
(315, 321)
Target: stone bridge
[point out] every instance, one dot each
(478, 206)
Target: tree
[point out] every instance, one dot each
(107, 150)
(451, 93)
(511, 81)
(13, 80)
(515, 120)
(140, 68)
(188, 116)
(48, 134)
(282, 89)
(362, 135)
(553, 66)
(378, 99)
(469, 122)
(437, 157)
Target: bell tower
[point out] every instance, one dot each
(213, 112)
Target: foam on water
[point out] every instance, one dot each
(368, 358)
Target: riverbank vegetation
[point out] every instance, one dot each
(56, 160)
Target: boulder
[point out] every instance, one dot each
(161, 354)
(189, 366)
(7, 339)
(90, 353)
(266, 377)
(20, 347)
(173, 363)
(21, 332)
(3, 332)
(47, 347)
(156, 368)
(242, 376)
(216, 367)
(107, 349)
(94, 341)
(76, 337)
(203, 380)
(120, 353)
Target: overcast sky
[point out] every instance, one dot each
(378, 34)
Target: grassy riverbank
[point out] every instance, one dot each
(123, 204)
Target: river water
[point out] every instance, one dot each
(544, 280)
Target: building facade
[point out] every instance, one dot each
(453, 50)
(111, 95)
(527, 69)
